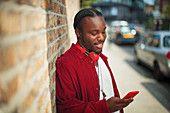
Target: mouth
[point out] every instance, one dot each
(100, 45)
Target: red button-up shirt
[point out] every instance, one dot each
(77, 84)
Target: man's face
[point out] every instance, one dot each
(92, 33)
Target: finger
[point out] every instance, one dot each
(120, 101)
(122, 105)
(128, 100)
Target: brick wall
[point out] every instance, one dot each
(33, 33)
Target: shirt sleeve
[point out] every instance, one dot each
(66, 95)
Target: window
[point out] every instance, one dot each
(166, 42)
(148, 40)
(155, 41)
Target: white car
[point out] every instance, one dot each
(154, 52)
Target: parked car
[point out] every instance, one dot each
(154, 52)
(121, 32)
(134, 30)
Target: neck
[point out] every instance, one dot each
(96, 64)
(84, 47)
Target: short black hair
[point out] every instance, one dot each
(91, 12)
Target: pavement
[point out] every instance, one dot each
(151, 97)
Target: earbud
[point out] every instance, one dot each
(92, 55)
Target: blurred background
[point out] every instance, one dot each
(34, 33)
(153, 14)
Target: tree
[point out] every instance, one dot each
(166, 12)
(86, 3)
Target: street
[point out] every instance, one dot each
(153, 97)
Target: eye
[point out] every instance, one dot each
(94, 33)
(104, 32)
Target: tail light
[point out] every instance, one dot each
(168, 55)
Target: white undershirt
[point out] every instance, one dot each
(105, 81)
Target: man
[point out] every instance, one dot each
(84, 81)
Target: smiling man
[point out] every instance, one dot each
(84, 81)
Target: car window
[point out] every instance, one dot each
(148, 40)
(155, 41)
(166, 41)
(124, 29)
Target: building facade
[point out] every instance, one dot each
(129, 10)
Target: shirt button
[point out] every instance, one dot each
(95, 75)
(91, 62)
(97, 89)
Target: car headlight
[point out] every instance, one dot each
(133, 32)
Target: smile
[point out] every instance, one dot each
(100, 46)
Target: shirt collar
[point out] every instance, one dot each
(82, 55)
(77, 51)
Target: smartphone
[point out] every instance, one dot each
(131, 94)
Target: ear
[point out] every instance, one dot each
(78, 33)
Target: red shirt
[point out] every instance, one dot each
(77, 84)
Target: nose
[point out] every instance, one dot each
(102, 37)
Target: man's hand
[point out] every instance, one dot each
(115, 103)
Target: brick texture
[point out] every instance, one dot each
(33, 34)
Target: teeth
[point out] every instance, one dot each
(99, 45)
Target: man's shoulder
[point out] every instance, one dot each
(68, 57)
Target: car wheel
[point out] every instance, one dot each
(157, 72)
(137, 59)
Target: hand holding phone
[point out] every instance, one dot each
(131, 94)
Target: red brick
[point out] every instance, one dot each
(35, 3)
(45, 42)
(45, 4)
(28, 23)
(48, 107)
(52, 94)
(10, 23)
(50, 37)
(55, 34)
(28, 73)
(50, 20)
(10, 89)
(55, 20)
(14, 85)
(51, 52)
(7, 57)
(39, 63)
(54, 108)
(46, 74)
(35, 21)
(38, 21)
(41, 101)
(30, 99)
(56, 8)
(38, 41)
(41, 82)
(26, 49)
(3, 95)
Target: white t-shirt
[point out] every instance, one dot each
(105, 80)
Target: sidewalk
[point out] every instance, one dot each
(128, 78)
